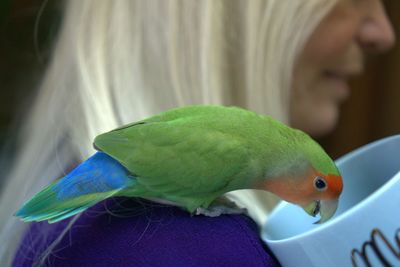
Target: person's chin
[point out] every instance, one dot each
(319, 121)
(325, 120)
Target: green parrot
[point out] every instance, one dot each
(191, 157)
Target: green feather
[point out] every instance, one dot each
(194, 154)
(189, 156)
(46, 206)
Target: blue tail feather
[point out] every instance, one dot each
(96, 179)
(98, 174)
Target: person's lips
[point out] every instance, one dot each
(338, 79)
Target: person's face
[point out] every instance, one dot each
(334, 53)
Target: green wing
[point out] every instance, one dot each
(185, 159)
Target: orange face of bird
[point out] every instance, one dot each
(321, 194)
(314, 192)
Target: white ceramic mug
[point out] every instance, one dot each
(366, 225)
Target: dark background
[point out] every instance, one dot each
(27, 28)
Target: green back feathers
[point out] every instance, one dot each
(202, 149)
(189, 155)
(272, 143)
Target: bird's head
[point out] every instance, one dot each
(305, 175)
(315, 192)
(321, 182)
(321, 194)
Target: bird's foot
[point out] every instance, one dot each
(215, 211)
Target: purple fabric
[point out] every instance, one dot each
(127, 232)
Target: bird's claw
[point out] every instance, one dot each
(215, 211)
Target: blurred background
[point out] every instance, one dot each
(373, 110)
(28, 27)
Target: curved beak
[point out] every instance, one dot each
(325, 208)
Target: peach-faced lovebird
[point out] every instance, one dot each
(190, 157)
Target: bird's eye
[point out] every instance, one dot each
(320, 184)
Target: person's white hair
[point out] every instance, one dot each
(119, 61)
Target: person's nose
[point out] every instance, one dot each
(376, 33)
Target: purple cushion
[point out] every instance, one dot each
(129, 232)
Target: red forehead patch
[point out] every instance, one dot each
(335, 184)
